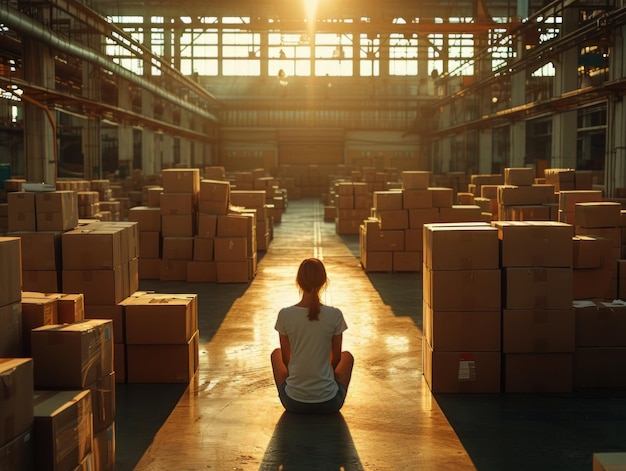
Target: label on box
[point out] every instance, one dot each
(467, 367)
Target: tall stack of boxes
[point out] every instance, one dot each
(461, 308)
(100, 261)
(600, 352)
(179, 203)
(354, 203)
(74, 378)
(537, 318)
(520, 199)
(255, 201)
(594, 266)
(161, 337)
(603, 219)
(17, 444)
(148, 221)
(41, 261)
(10, 297)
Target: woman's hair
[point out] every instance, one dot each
(312, 279)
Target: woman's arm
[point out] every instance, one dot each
(285, 349)
(335, 350)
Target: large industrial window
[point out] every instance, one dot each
(333, 54)
(369, 55)
(289, 54)
(402, 54)
(199, 49)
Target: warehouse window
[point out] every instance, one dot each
(460, 53)
(333, 54)
(290, 53)
(238, 53)
(369, 55)
(403, 54)
(199, 52)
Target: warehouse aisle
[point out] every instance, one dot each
(230, 417)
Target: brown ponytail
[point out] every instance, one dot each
(311, 279)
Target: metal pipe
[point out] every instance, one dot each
(25, 25)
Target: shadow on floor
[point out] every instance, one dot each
(141, 410)
(311, 442)
(516, 432)
(401, 291)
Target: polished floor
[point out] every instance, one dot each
(230, 418)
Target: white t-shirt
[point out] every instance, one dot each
(311, 376)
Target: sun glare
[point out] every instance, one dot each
(311, 10)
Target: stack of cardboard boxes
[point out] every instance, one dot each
(17, 442)
(179, 209)
(255, 201)
(148, 221)
(461, 308)
(161, 337)
(74, 380)
(537, 318)
(354, 203)
(10, 297)
(521, 199)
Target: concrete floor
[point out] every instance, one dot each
(230, 418)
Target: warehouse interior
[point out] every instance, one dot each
(329, 108)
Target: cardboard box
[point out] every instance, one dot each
(149, 244)
(598, 214)
(457, 331)
(10, 270)
(415, 179)
(377, 261)
(63, 429)
(48, 281)
(377, 240)
(180, 180)
(203, 249)
(474, 290)
(538, 288)
(202, 271)
(461, 372)
(36, 312)
(72, 355)
(173, 270)
(115, 313)
(460, 213)
(163, 363)
(538, 372)
(393, 219)
(178, 225)
(442, 197)
(22, 215)
(600, 324)
(417, 198)
(177, 248)
(407, 261)
(590, 283)
(232, 271)
(591, 252)
(230, 249)
(232, 225)
(56, 210)
(519, 176)
(522, 195)
(103, 401)
(16, 398)
(217, 191)
(40, 250)
(92, 247)
(538, 331)
(149, 268)
(528, 212)
(461, 246)
(147, 218)
(98, 286)
(248, 198)
(609, 461)
(420, 216)
(178, 203)
(207, 225)
(19, 453)
(104, 449)
(569, 198)
(388, 200)
(70, 308)
(11, 330)
(535, 243)
(599, 367)
(213, 207)
(160, 320)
